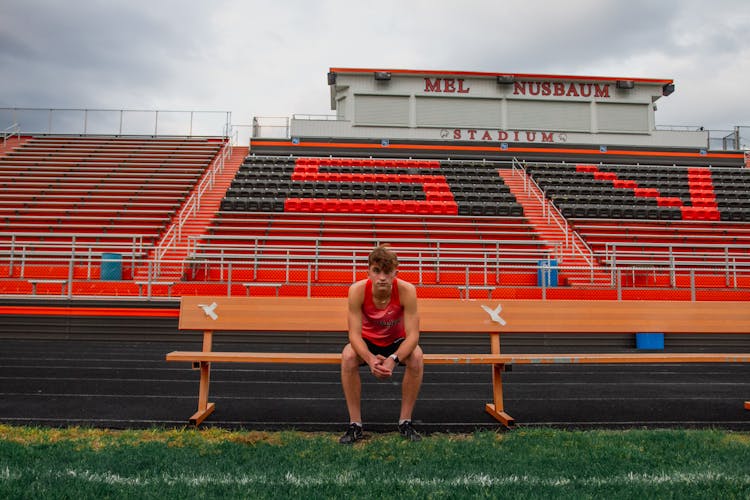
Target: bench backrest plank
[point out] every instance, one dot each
(451, 315)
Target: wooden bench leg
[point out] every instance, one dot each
(497, 409)
(204, 407)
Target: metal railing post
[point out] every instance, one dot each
(148, 281)
(485, 270)
(672, 269)
(288, 264)
(229, 279)
(692, 285)
(255, 259)
(71, 263)
(437, 266)
(421, 268)
(12, 255)
(23, 261)
(89, 260)
(354, 266)
(309, 280)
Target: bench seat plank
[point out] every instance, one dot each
(487, 359)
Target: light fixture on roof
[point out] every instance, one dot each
(382, 75)
(667, 89)
(625, 84)
(505, 79)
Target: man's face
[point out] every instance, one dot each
(382, 280)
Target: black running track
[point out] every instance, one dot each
(128, 384)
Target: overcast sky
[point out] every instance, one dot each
(270, 58)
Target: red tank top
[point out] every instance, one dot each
(382, 327)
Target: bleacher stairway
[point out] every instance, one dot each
(11, 143)
(580, 267)
(197, 224)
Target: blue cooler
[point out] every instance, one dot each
(111, 267)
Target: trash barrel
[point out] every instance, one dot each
(111, 267)
(546, 274)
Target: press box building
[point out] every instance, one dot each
(494, 107)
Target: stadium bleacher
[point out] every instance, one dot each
(63, 196)
(306, 223)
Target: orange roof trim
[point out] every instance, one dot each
(530, 76)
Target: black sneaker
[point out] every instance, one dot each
(353, 434)
(408, 431)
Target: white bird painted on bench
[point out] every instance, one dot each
(209, 310)
(495, 313)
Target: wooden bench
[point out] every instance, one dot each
(293, 314)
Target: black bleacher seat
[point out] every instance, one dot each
(490, 208)
(252, 204)
(239, 204)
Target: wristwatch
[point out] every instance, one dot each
(394, 357)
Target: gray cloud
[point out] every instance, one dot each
(269, 58)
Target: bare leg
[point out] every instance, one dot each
(411, 383)
(351, 382)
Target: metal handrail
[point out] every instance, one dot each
(729, 263)
(425, 272)
(190, 208)
(86, 112)
(572, 239)
(316, 241)
(10, 131)
(355, 259)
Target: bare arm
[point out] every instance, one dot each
(354, 320)
(408, 296)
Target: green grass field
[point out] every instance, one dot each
(90, 463)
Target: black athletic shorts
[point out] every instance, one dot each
(383, 351)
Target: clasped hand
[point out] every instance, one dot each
(379, 367)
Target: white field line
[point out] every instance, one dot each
(353, 479)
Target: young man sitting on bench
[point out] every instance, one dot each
(383, 332)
